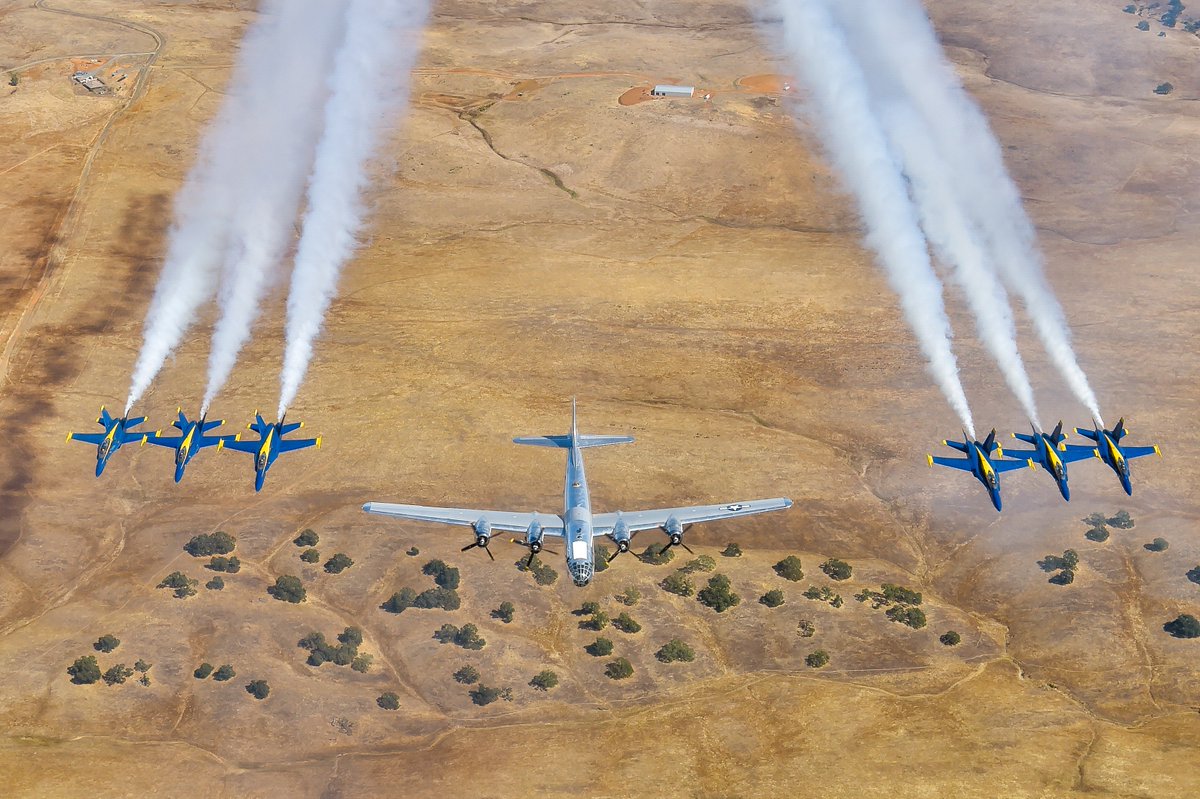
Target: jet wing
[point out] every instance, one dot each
(244, 446)
(171, 442)
(291, 445)
(1128, 452)
(1008, 466)
(87, 438)
(956, 463)
(503, 521)
(649, 519)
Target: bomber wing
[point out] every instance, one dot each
(649, 519)
(505, 521)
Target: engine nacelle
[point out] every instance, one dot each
(674, 530)
(483, 532)
(533, 537)
(621, 535)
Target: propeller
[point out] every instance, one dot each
(620, 535)
(533, 540)
(675, 531)
(480, 541)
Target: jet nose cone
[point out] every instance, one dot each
(100, 467)
(1066, 492)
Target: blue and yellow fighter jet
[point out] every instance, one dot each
(191, 439)
(1051, 454)
(1108, 449)
(116, 432)
(978, 464)
(270, 444)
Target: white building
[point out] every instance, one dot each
(667, 90)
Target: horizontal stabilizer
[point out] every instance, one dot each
(564, 442)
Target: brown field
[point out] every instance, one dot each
(693, 274)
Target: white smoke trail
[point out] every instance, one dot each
(370, 80)
(857, 145)
(204, 206)
(897, 39)
(283, 129)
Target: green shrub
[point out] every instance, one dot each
(597, 622)
(542, 574)
(837, 569)
(338, 563)
(85, 670)
(587, 609)
(618, 669)
(816, 660)
(144, 680)
(412, 552)
(183, 585)
(106, 643)
(307, 538)
(445, 576)
(230, 565)
(629, 597)
(678, 583)
(224, 673)
(901, 595)
(310, 555)
(485, 695)
(544, 680)
(400, 601)
(806, 628)
(446, 634)
(205, 544)
(1183, 626)
(505, 612)
(118, 674)
(202, 671)
(1097, 534)
(444, 598)
(215, 584)
(772, 599)
(1143, 25)
(362, 662)
(141, 666)
(1158, 545)
(1193, 574)
(388, 701)
(467, 675)
(657, 555)
(732, 550)
(702, 563)
(601, 647)
(468, 637)
(1064, 577)
(602, 554)
(910, 616)
(675, 651)
(950, 638)
(288, 589)
(258, 689)
(626, 623)
(717, 594)
(789, 569)
(1068, 560)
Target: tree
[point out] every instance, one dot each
(183, 585)
(772, 599)
(485, 695)
(118, 674)
(141, 666)
(1183, 626)
(351, 636)
(1143, 25)
(445, 576)
(412, 552)
(542, 574)
(224, 672)
(806, 628)
(310, 555)
(106, 643)
(837, 569)
(444, 598)
(1165, 87)
(1097, 534)
(258, 689)
(678, 583)
(950, 638)
(1158, 545)
(732, 550)
(388, 701)
(717, 594)
(701, 563)
(400, 601)
(446, 634)
(602, 555)
(202, 671)
(1193, 574)
(601, 647)
(629, 597)
(288, 589)
(675, 651)
(912, 617)
(1064, 577)
(544, 680)
(901, 595)
(467, 675)
(587, 609)
(657, 555)
(222, 564)
(215, 584)
(618, 669)
(817, 659)
(205, 544)
(85, 670)
(789, 569)
(626, 623)
(1095, 520)
(505, 612)
(597, 622)
(468, 637)
(339, 563)
(362, 663)
(1122, 520)
(307, 538)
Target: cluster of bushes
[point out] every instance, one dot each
(388, 701)
(601, 647)
(215, 584)
(805, 628)
(486, 694)
(629, 597)
(86, 670)
(345, 653)
(467, 675)
(675, 651)
(817, 659)
(1098, 524)
(701, 563)
(618, 669)
(288, 589)
(657, 555)
(718, 594)
(542, 573)
(789, 569)
(626, 623)
(824, 594)
(1183, 626)
(1158, 545)
(339, 563)
(218, 543)
(466, 636)
(950, 638)
(1065, 566)
(220, 563)
(505, 612)
(907, 615)
(544, 680)
(901, 603)
(732, 550)
(106, 643)
(443, 595)
(772, 599)
(182, 585)
(258, 689)
(307, 538)
(678, 583)
(837, 569)
(310, 555)
(225, 672)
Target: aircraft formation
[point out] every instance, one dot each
(192, 437)
(1050, 451)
